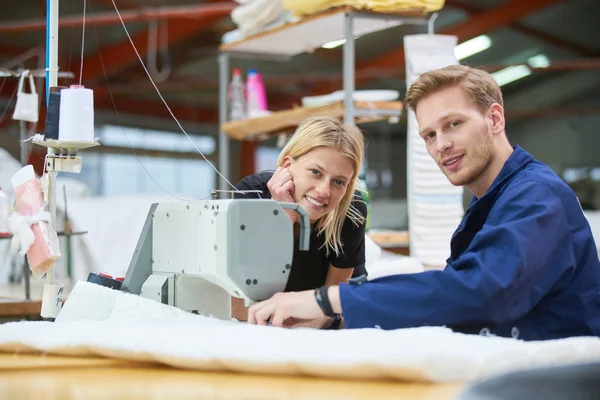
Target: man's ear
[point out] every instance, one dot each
(497, 118)
(287, 161)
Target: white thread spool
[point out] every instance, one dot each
(76, 121)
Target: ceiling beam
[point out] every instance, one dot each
(144, 108)
(552, 112)
(534, 33)
(211, 9)
(478, 24)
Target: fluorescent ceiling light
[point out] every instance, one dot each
(539, 61)
(511, 74)
(335, 43)
(471, 47)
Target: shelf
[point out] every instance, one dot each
(287, 120)
(66, 146)
(387, 238)
(313, 31)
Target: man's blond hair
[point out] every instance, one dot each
(479, 86)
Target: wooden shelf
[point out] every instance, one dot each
(390, 238)
(312, 31)
(286, 120)
(17, 308)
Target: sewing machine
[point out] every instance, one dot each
(196, 255)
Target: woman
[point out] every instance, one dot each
(318, 169)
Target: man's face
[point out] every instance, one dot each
(457, 136)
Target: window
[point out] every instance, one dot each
(125, 174)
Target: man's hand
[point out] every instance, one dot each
(295, 309)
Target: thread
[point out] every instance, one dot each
(76, 121)
(53, 113)
(163, 99)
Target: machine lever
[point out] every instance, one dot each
(304, 224)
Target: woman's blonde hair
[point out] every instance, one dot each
(479, 86)
(329, 131)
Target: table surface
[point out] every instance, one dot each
(27, 376)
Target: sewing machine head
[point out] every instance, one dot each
(196, 255)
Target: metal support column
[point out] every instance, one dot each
(51, 80)
(348, 68)
(223, 113)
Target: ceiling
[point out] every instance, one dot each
(566, 32)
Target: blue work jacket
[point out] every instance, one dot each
(523, 263)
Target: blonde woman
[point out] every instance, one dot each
(318, 169)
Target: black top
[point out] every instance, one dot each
(309, 268)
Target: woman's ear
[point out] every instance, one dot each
(287, 161)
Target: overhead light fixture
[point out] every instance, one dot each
(472, 46)
(515, 72)
(539, 61)
(335, 43)
(511, 74)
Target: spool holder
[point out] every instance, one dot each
(65, 158)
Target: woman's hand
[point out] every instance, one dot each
(281, 186)
(294, 309)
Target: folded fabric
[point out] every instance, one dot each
(306, 7)
(255, 15)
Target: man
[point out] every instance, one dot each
(523, 261)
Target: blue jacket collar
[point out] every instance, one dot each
(517, 160)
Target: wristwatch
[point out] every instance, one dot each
(337, 321)
(322, 298)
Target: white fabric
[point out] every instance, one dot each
(593, 218)
(434, 205)
(20, 227)
(253, 16)
(100, 321)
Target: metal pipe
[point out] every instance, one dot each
(223, 114)
(348, 69)
(51, 80)
(109, 18)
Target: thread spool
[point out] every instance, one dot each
(53, 113)
(76, 121)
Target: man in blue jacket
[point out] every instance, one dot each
(523, 260)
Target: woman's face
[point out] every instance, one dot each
(321, 178)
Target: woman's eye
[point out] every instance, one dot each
(314, 171)
(339, 182)
(454, 124)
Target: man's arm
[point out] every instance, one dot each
(508, 267)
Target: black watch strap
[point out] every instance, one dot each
(322, 297)
(337, 321)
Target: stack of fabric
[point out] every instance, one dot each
(254, 16)
(307, 7)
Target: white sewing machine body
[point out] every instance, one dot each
(196, 255)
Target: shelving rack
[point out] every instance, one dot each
(309, 33)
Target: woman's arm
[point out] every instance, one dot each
(335, 275)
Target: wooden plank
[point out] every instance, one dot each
(10, 307)
(20, 361)
(314, 30)
(287, 120)
(69, 378)
(390, 237)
